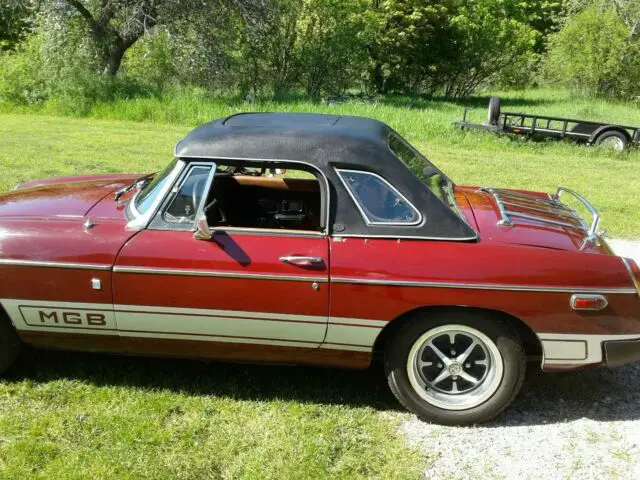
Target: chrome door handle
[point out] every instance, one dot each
(302, 261)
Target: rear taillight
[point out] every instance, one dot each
(634, 270)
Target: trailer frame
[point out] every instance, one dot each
(586, 131)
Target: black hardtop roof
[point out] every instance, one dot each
(327, 142)
(309, 137)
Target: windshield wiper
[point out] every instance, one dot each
(138, 183)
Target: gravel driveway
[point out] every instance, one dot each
(563, 425)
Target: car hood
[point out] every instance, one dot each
(66, 197)
(533, 222)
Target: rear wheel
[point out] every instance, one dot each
(9, 345)
(455, 369)
(612, 140)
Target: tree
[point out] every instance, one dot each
(331, 55)
(15, 22)
(116, 25)
(404, 39)
(597, 52)
(488, 38)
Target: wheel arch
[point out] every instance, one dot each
(608, 128)
(531, 342)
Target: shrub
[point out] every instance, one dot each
(594, 54)
(21, 80)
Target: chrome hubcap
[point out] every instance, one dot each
(613, 143)
(455, 367)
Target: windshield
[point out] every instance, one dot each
(146, 197)
(438, 182)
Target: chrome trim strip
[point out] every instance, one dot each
(221, 274)
(36, 263)
(633, 277)
(269, 231)
(475, 286)
(404, 237)
(419, 221)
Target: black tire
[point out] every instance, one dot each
(504, 385)
(494, 110)
(618, 140)
(9, 344)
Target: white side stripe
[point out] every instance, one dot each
(576, 349)
(307, 331)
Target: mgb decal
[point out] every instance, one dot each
(73, 318)
(61, 317)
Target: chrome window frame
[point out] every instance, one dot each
(141, 221)
(418, 222)
(170, 196)
(321, 175)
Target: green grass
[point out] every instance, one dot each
(66, 415)
(39, 146)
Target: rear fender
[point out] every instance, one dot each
(608, 128)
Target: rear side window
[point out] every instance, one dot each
(377, 200)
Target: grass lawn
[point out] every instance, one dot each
(90, 416)
(71, 415)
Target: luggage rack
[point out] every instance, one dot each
(508, 200)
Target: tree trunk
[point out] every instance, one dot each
(114, 59)
(378, 79)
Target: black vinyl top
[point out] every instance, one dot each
(313, 138)
(327, 142)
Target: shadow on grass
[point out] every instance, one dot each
(366, 388)
(439, 103)
(417, 102)
(601, 395)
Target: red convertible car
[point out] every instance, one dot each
(346, 257)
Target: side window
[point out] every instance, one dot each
(378, 201)
(188, 196)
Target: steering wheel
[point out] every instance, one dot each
(208, 207)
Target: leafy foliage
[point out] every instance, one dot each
(15, 22)
(279, 48)
(596, 53)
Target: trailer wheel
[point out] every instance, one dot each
(494, 110)
(613, 140)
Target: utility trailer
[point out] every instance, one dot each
(616, 137)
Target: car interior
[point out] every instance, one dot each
(264, 198)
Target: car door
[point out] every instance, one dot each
(242, 294)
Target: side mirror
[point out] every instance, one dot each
(203, 232)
